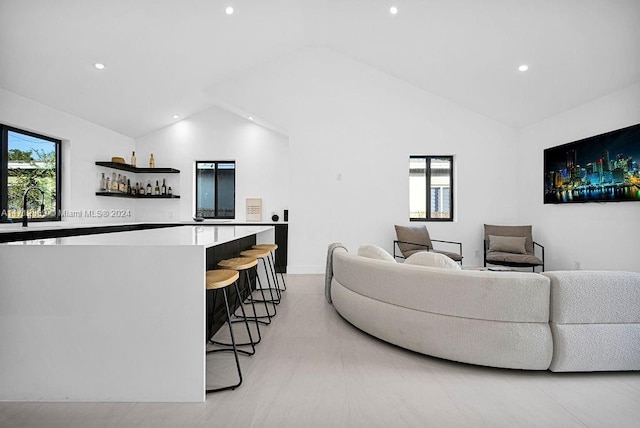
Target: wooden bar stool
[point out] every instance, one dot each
(245, 264)
(220, 280)
(263, 256)
(274, 255)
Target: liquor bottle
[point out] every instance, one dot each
(133, 158)
(156, 190)
(108, 184)
(103, 183)
(128, 187)
(134, 190)
(141, 189)
(152, 161)
(122, 187)
(169, 191)
(114, 182)
(149, 187)
(163, 189)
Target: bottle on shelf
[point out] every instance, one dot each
(141, 189)
(107, 185)
(163, 189)
(169, 191)
(156, 190)
(134, 189)
(103, 183)
(152, 161)
(114, 182)
(122, 187)
(128, 189)
(133, 158)
(149, 191)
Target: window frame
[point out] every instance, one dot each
(4, 173)
(428, 195)
(216, 192)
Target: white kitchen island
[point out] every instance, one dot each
(109, 317)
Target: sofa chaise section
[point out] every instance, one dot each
(595, 320)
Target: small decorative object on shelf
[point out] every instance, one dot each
(133, 158)
(152, 161)
(275, 217)
(103, 183)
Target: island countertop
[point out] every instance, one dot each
(206, 236)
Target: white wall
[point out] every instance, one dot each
(351, 132)
(83, 144)
(261, 155)
(591, 235)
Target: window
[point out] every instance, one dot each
(431, 188)
(216, 189)
(29, 166)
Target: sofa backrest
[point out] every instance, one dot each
(497, 296)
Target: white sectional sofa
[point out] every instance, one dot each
(515, 320)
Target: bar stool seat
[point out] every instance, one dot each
(238, 263)
(270, 247)
(220, 280)
(256, 253)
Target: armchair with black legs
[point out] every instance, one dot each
(412, 239)
(512, 246)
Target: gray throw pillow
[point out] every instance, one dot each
(507, 244)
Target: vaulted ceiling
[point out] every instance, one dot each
(162, 55)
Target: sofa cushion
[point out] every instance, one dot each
(424, 258)
(415, 235)
(507, 244)
(498, 257)
(455, 256)
(375, 252)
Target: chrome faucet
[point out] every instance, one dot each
(24, 203)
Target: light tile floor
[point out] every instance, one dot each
(313, 369)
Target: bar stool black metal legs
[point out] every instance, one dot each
(244, 264)
(220, 280)
(274, 256)
(263, 255)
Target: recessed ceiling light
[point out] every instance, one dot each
(175, 116)
(229, 10)
(99, 65)
(393, 10)
(523, 67)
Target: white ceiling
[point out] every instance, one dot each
(162, 54)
